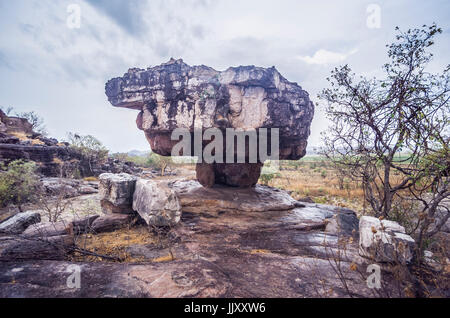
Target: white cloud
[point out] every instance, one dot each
(61, 72)
(323, 56)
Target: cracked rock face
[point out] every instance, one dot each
(176, 95)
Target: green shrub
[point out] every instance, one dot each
(89, 148)
(18, 182)
(156, 161)
(265, 178)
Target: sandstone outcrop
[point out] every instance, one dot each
(67, 188)
(384, 241)
(13, 124)
(20, 222)
(345, 223)
(24, 248)
(48, 229)
(213, 201)
(18, 141)
(156, 203)
(176, 95)
(229, 242)
(110, 222)
(116, 192)
(276, 253)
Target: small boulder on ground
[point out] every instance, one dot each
(84, 225)
(384, 241)
(110, 222)
(19, 222)
(156, 203)
(61, 186)
(49, 229)
(343, 223)
(23, 248)
(116, 192)
(85, 189)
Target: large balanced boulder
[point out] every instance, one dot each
(20, 222)
(116, 192)
(384, 241)
(156, 203)
(246, 98)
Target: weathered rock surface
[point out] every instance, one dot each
(230, 242)
(13, 124)
(282, 253)
(156, 203)
(110, 222)
(83, 225)
(49, 229)
(67, 188)
(344, 223)
(219, 199)
(116, 192)
(384, 241)
(176, 95)
(48, 157)
(53, 158)
(19, 222)
(24, 248)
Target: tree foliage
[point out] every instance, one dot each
(89, 148)
(18, 182)
(159, 162)
(374, 121)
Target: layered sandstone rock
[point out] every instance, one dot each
(18, 141)
(156, 203)
(19, 222)
(176, 95)
(13, 124)
(116, 192)
(246, 252)
(384, 241)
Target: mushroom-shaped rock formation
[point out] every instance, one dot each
(246, 98)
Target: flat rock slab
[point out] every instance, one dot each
(19, 222)
(195, 198)
(49, 229)
(21, 248)
(110, 222)
(249, 252)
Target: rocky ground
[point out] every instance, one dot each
(229, 243)
(136, 235)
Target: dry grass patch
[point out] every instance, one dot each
(22, 136)
(321, 184)
(113, 244)
(259, 251)
(37, 142)
(169, 257)
(90, 179)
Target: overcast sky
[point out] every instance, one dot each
(60, 72)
